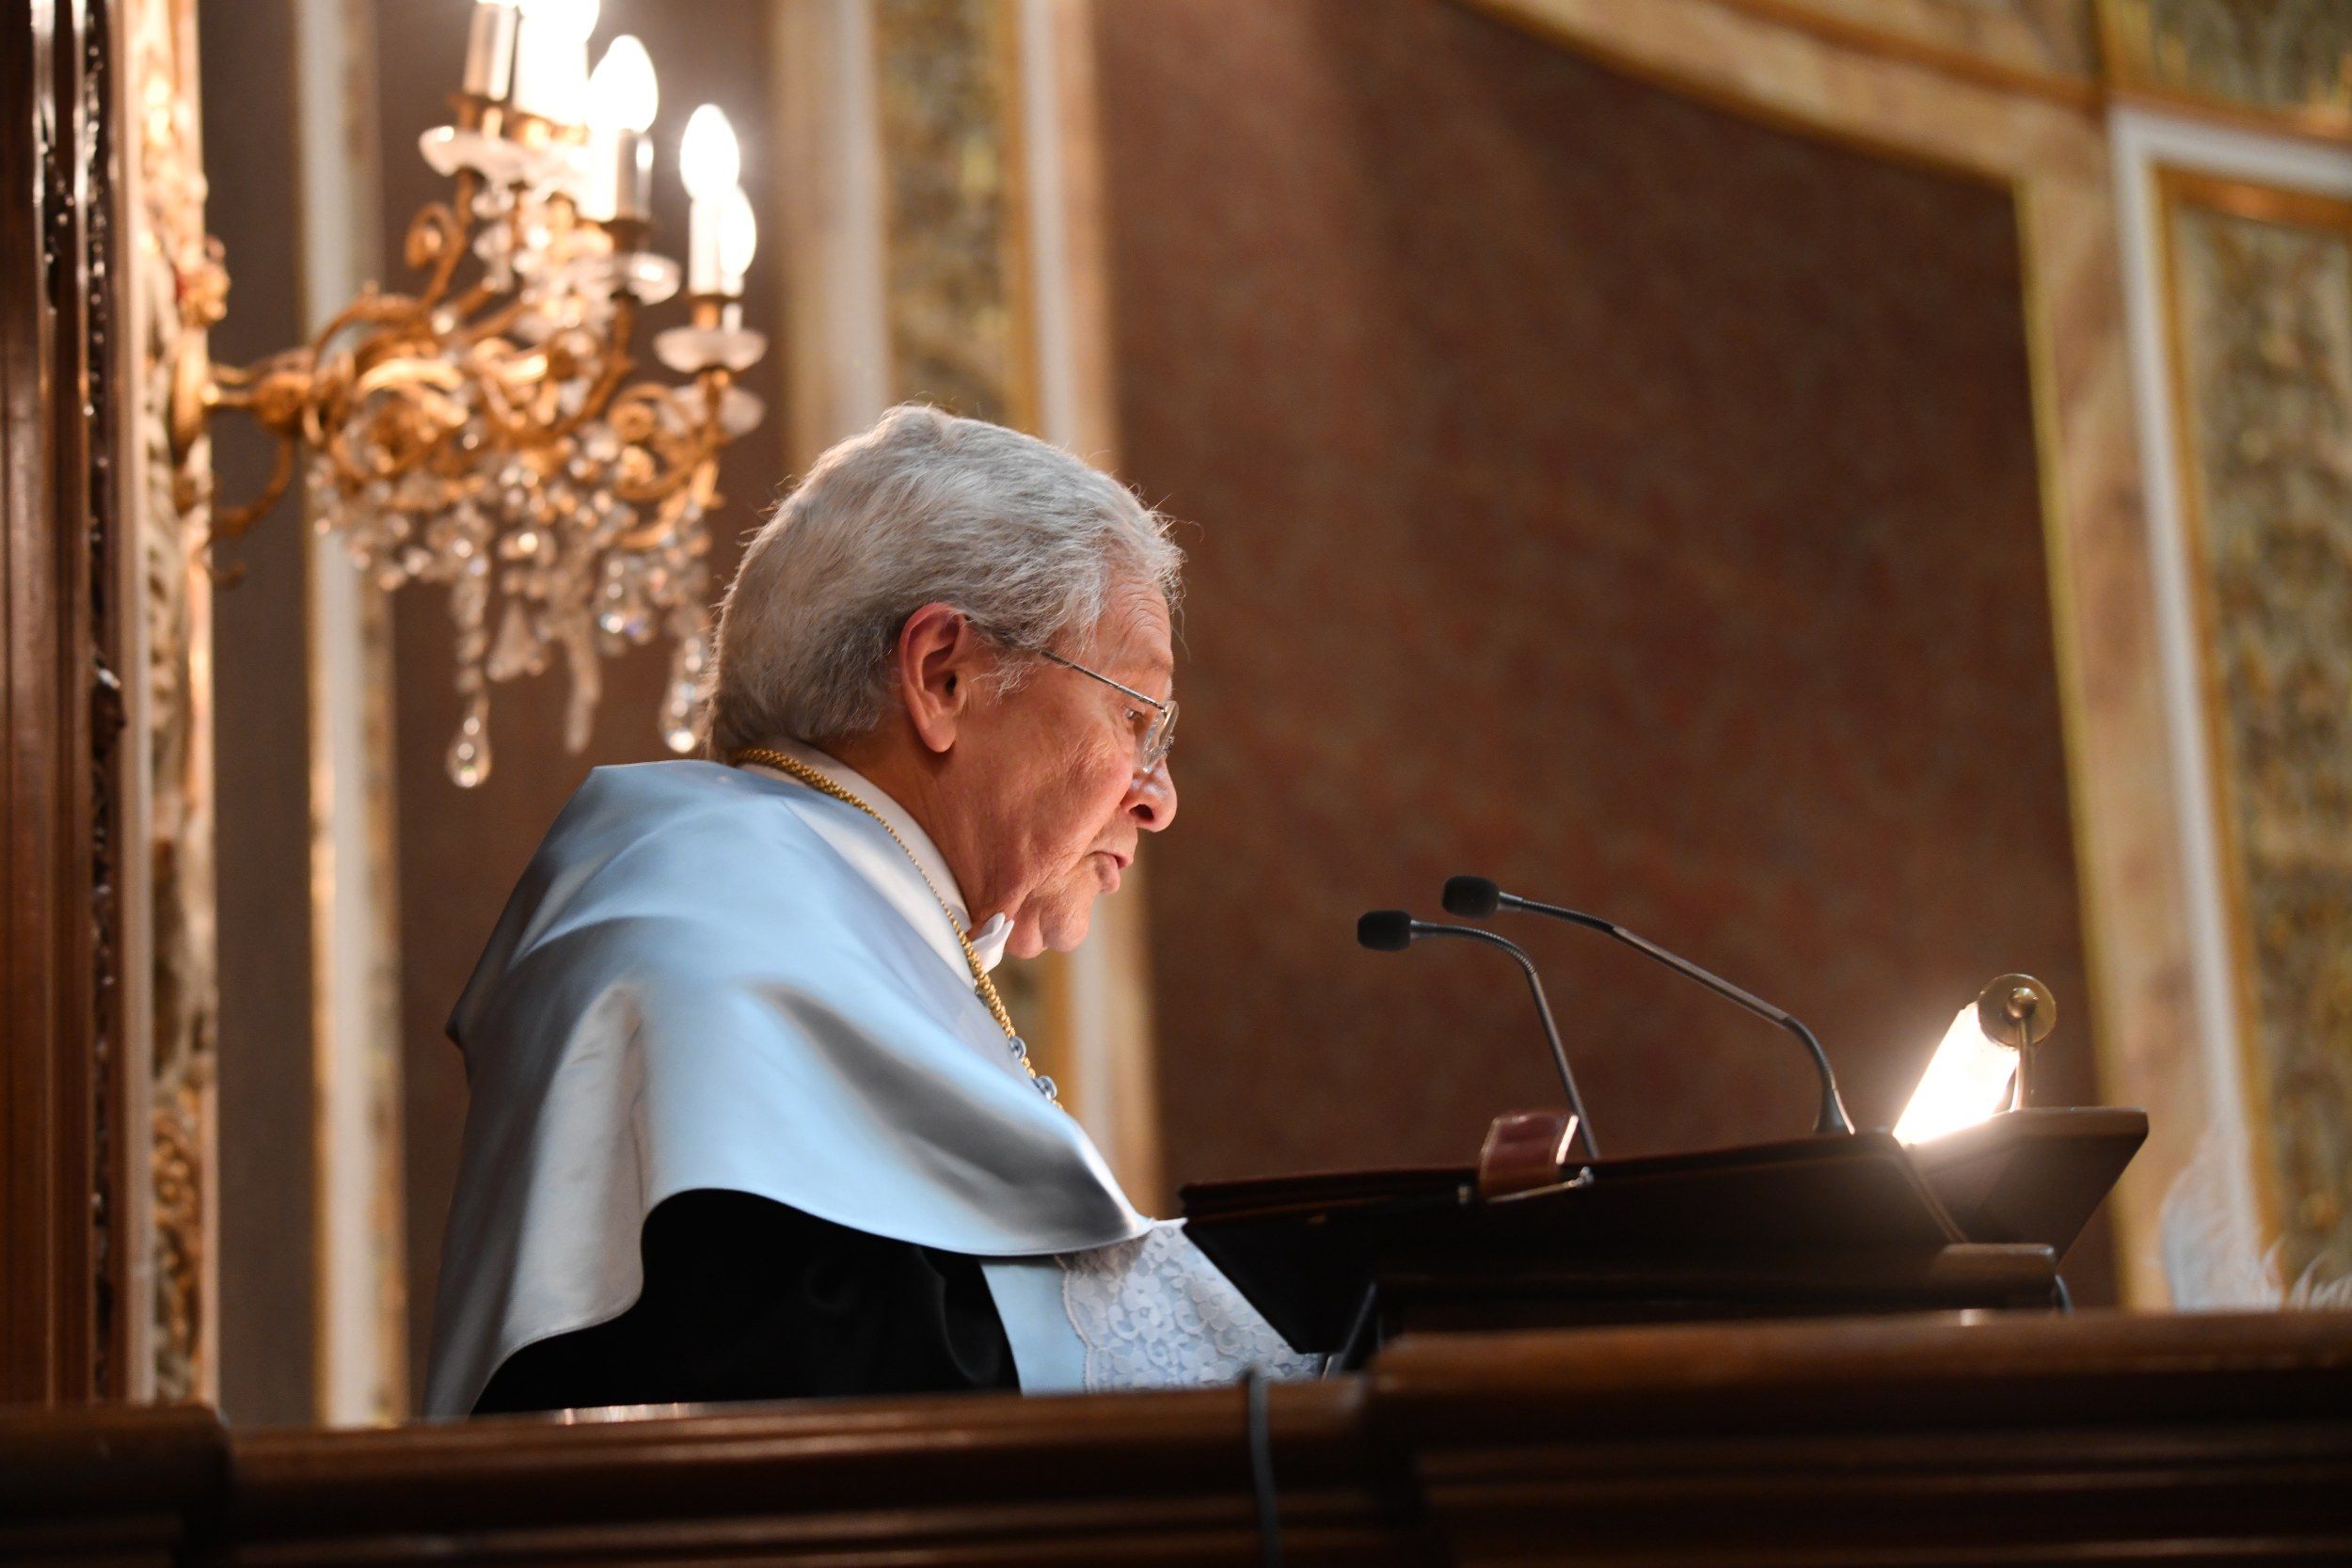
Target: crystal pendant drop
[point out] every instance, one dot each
(470, 754)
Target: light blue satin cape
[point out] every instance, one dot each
(690, 989)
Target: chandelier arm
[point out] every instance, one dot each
(436, 237)
(609, 374)
(512, 423)
(275, 393)
(374, 309)
(231, 523)
(617, 366)
(701, 450)
(489, 327)
(515, 422)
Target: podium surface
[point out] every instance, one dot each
(1819, 1226)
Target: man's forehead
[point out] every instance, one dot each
(1137, 631)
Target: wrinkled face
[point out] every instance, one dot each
(1066, 806)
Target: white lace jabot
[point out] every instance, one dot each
(1148, 1313)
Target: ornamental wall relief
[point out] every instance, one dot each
(2261, 318)
(2291, 57)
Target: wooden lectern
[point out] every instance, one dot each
(1820, 1226)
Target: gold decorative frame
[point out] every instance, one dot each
(2314, 1220)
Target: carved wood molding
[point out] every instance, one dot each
(2119, 1440)
(63, 1146)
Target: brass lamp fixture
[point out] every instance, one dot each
(1984, 1064)
(485, 432)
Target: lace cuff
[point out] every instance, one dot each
(1155, 1313)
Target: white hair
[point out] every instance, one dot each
(1023, 538)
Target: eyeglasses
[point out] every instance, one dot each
(1158, 738)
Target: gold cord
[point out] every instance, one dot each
(795, 768)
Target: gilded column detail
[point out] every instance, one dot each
(953, 207)
(177, 288)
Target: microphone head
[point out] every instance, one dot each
(1385, 930)
(1474, 898)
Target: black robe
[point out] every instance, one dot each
(747, 1299)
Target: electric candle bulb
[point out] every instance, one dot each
(708, 159)
(490, 50)
(551, 58)
(575, 17)
(738, 238)
(622, 92)
(622, 97)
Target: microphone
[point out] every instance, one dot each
(1475, 898)
(1394, 930)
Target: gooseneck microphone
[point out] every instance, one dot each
(1394, 930)
(1475, 897)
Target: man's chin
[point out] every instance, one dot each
(1060, 925)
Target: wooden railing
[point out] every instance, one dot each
(2099, 1439)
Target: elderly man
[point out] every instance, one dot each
(750, 1120)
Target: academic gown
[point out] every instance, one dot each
(746, 1299)
(693, 992)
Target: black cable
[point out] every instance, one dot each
(1361, 1332)
(2064, 1298)
(1253, 1385)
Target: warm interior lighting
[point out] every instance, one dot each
(1967, 1082)
(575, 17)
(622, 93)
(738, 239)
(708, 159)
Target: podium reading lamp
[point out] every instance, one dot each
(1968, 1203)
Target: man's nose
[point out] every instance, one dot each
(1152, 797)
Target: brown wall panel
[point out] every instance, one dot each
(1597, 490)
(262, 765)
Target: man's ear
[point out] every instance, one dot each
(940, 655)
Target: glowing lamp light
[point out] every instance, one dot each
(577, 18)
(708, 159)
(551, 58)
(622, 92)
(1967, 1082)
(738, 238)
(1983, 1053)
